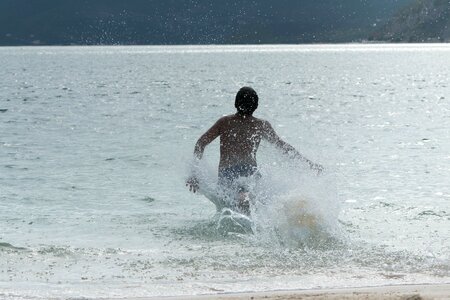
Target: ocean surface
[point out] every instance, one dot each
(96, 144)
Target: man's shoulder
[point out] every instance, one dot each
(262, 122)
(225, 118)
(259, 120)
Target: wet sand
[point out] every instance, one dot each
(404, 292)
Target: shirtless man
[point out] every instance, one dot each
(240, 135)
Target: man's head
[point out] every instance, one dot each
(246, 101)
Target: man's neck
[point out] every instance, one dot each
(242, 115)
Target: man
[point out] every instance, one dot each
(240, 136)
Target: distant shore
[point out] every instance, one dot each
(361, 42)
(406, 292)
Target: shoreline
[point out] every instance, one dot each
(404, 292)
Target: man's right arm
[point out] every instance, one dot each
(270, 135)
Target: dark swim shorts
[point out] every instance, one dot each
(228, 181)
(228, 175)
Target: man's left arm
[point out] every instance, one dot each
(209, 136)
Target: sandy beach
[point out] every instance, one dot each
(406, 292)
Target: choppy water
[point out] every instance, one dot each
(95, 145)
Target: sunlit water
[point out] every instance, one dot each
(96, 144)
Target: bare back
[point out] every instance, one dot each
(240, 136)
(239, 140)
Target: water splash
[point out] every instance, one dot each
(291, 206)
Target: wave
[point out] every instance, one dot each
(8, 246)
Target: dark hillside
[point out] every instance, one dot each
(422, 21)
(64, 22)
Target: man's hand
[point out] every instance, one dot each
(315, 167)
(192, 183)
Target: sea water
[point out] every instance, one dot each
(96, 144)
